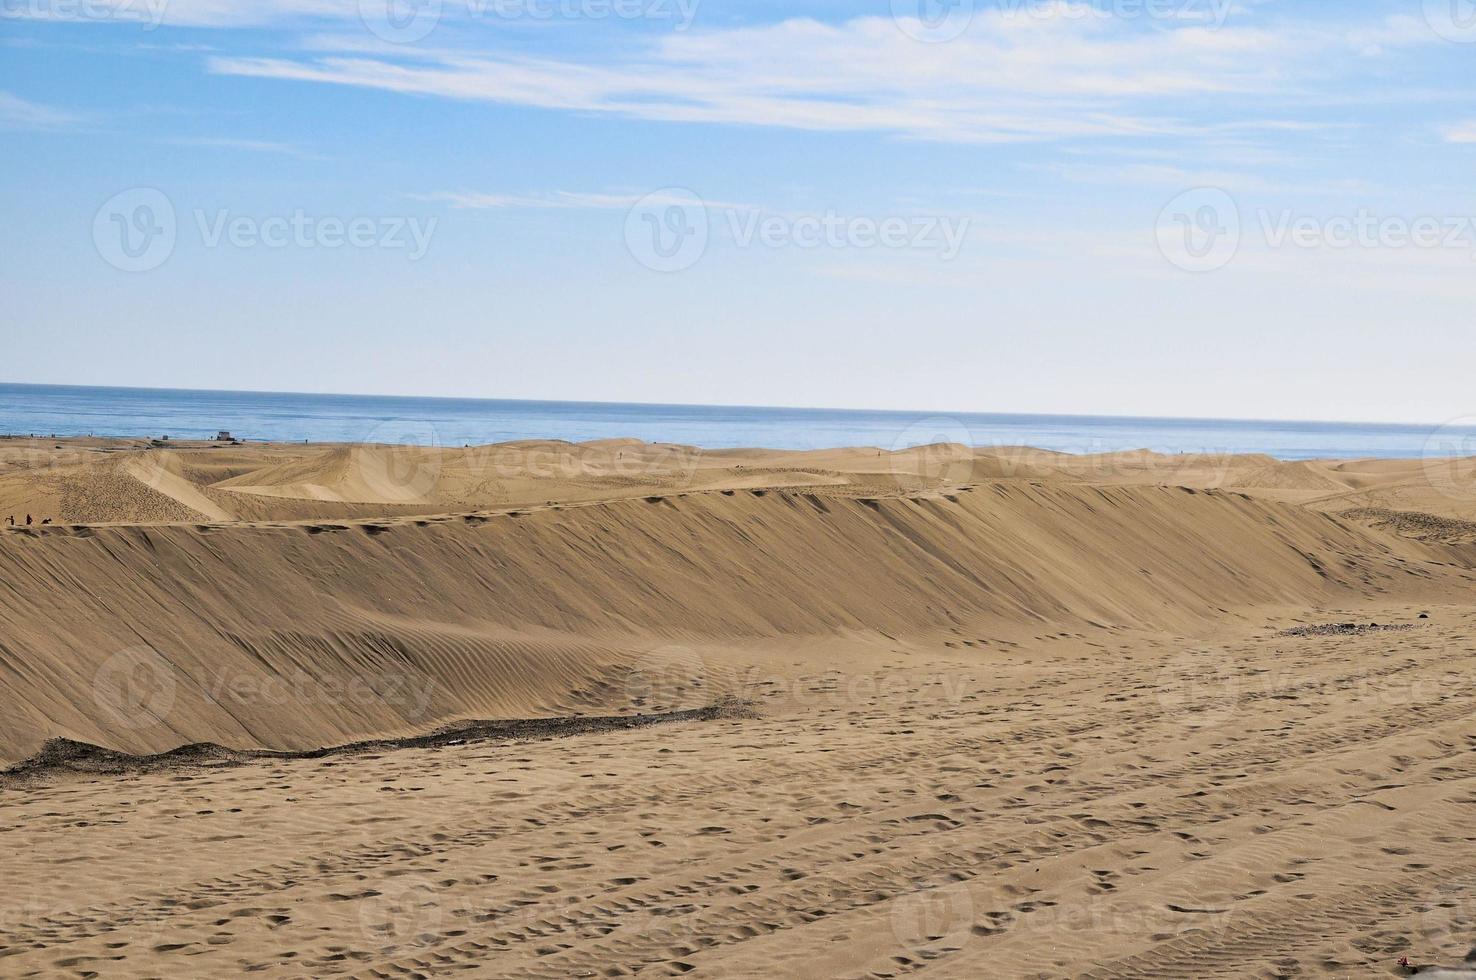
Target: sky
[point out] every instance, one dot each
(1209, 208)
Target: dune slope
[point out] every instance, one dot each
(294, 636)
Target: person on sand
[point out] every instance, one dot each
(28, 520)
(10, 520)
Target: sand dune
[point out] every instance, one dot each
(161, 472)
(509, 615)
(99, 481)
(1310, 477)
(940, 711)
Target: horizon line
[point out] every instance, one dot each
(734, 405)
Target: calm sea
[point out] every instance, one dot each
(65, 410)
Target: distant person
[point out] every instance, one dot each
(10, 520)
(28, 520)
(46, 520)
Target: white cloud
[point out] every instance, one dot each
(1464, 132)
(1012, 77)
(248, 145)
(1024, 71)
(555, 201)
(186, 13)
(19, 113)
(1167, 175)
(572, 200)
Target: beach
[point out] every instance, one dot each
(789, 491)
(622, 708)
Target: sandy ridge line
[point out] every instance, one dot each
(864, 495)
(62, 755)
(433, 517)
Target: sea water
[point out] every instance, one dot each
(182, 414)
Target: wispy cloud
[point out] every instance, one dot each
(1171, 176)
(568, 201)
(1020, 72)
(246, 145)
(554, 201)
(19, 113)
(187, 13)
(1012, 77)
(1464, 132)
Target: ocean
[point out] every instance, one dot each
(180, 414)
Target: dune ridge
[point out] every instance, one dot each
(538, 613)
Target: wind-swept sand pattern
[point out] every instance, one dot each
(972, 715)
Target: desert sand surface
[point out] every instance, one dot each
(619, 709)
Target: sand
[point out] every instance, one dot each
(542, 710)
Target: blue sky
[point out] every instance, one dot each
(1152, 207)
